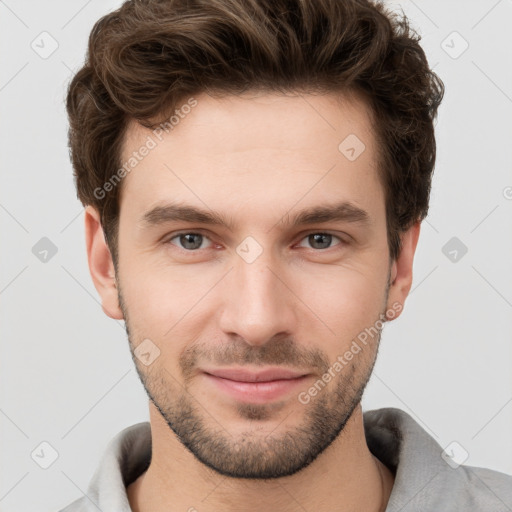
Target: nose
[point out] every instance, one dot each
(258, 303)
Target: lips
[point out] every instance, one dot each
(243, 375)
(255, 386)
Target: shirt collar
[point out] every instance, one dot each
(392, 435)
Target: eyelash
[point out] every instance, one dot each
(178, 234)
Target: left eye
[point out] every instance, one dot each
(321, 239)
(193, 241)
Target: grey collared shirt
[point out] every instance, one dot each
(425, 479)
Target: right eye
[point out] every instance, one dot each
(188, 240)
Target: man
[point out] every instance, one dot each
(255, 174)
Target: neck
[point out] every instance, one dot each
(345, 477)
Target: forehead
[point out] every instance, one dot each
(254, 150)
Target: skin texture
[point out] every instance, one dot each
(258, 159)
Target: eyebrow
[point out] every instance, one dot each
(172, 212)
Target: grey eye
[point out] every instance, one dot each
(189, 241)
(320, 240)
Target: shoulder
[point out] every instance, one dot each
(485, 483)
(426, 478)
(126, 456)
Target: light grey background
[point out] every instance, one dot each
(67, 377)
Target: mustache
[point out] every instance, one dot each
(238, 352)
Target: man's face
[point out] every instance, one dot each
(257, 293)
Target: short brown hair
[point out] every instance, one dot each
(147, 56)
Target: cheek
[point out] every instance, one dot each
(166, 306)
(345, 300)
(161, 294)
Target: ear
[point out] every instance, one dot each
(401, 269)
(101, 265)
